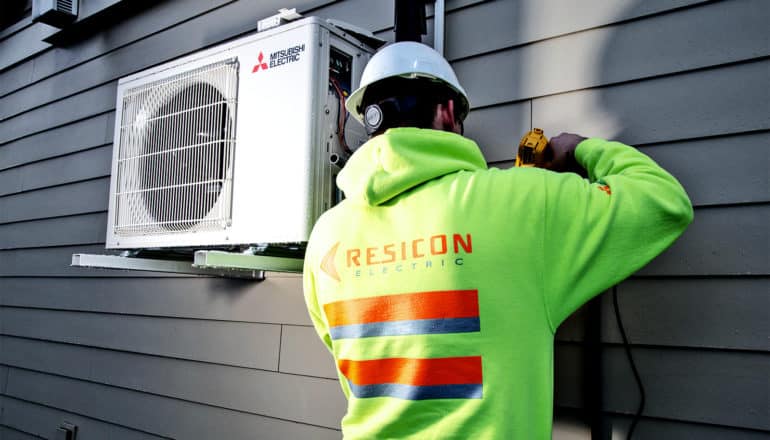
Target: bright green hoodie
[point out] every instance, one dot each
(438, 284)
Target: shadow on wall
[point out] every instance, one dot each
(616, 82)
(634, 96)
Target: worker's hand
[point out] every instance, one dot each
(560, 154)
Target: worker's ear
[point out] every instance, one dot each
(445, 119)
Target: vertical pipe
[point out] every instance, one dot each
(438, 26)
(593, 371)
(409, 20)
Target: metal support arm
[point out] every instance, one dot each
(167, 266)
(246, 261)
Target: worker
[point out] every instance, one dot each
(438, 284)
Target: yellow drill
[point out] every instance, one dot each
(532, 149)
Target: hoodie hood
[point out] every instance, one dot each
(402, 158)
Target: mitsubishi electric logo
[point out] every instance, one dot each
(260, 64)
(279, 58)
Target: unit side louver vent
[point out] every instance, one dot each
(175, 153)
(65, 6)
(58, 13)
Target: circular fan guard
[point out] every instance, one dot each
(187, 155)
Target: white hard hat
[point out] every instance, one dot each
(406, 59)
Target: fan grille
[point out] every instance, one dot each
(177, 136)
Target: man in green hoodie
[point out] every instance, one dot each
(438, 284)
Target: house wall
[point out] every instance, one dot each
(139, 355)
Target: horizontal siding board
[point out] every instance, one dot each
(729, 240)
(124, 60)
(506, 23)
(156, 17)
(497, 18)
(83, 105)
(658, 45)
(715, 387)
(649, 428)
(74, 230)
(159, 415)
(720, 101)
(276, 300)
(377, 17)
(141, 54)
(713, 313)
(24, 44)
(90, 8)
(104, 69)
(70, 199)
(75, 167)
(373, 16)
(704, 386)
(302, 352)
(10, 181)
(455, 4)
(108, 103)
(55, 262)
(13, 434)
(43, 421)
(721, 170)
(721, 241)
(250, 345)
(495, 78)
(297, 398)
(724, 100)
(698, 164)
(716, 313)
(19, 76)
(71, 138)
(162, 15)
(16, 27)
(497, 130)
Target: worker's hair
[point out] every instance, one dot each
(406, 102)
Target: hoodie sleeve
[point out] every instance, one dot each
(597, 233)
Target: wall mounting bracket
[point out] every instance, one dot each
(212, 263)
(245, 261)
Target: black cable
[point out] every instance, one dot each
(637, 377)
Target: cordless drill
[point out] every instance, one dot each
(532, 149)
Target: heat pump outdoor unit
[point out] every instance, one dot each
(237, 145)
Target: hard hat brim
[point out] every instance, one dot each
(353, 103)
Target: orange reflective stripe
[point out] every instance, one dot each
(404, 307)
(435, 371)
